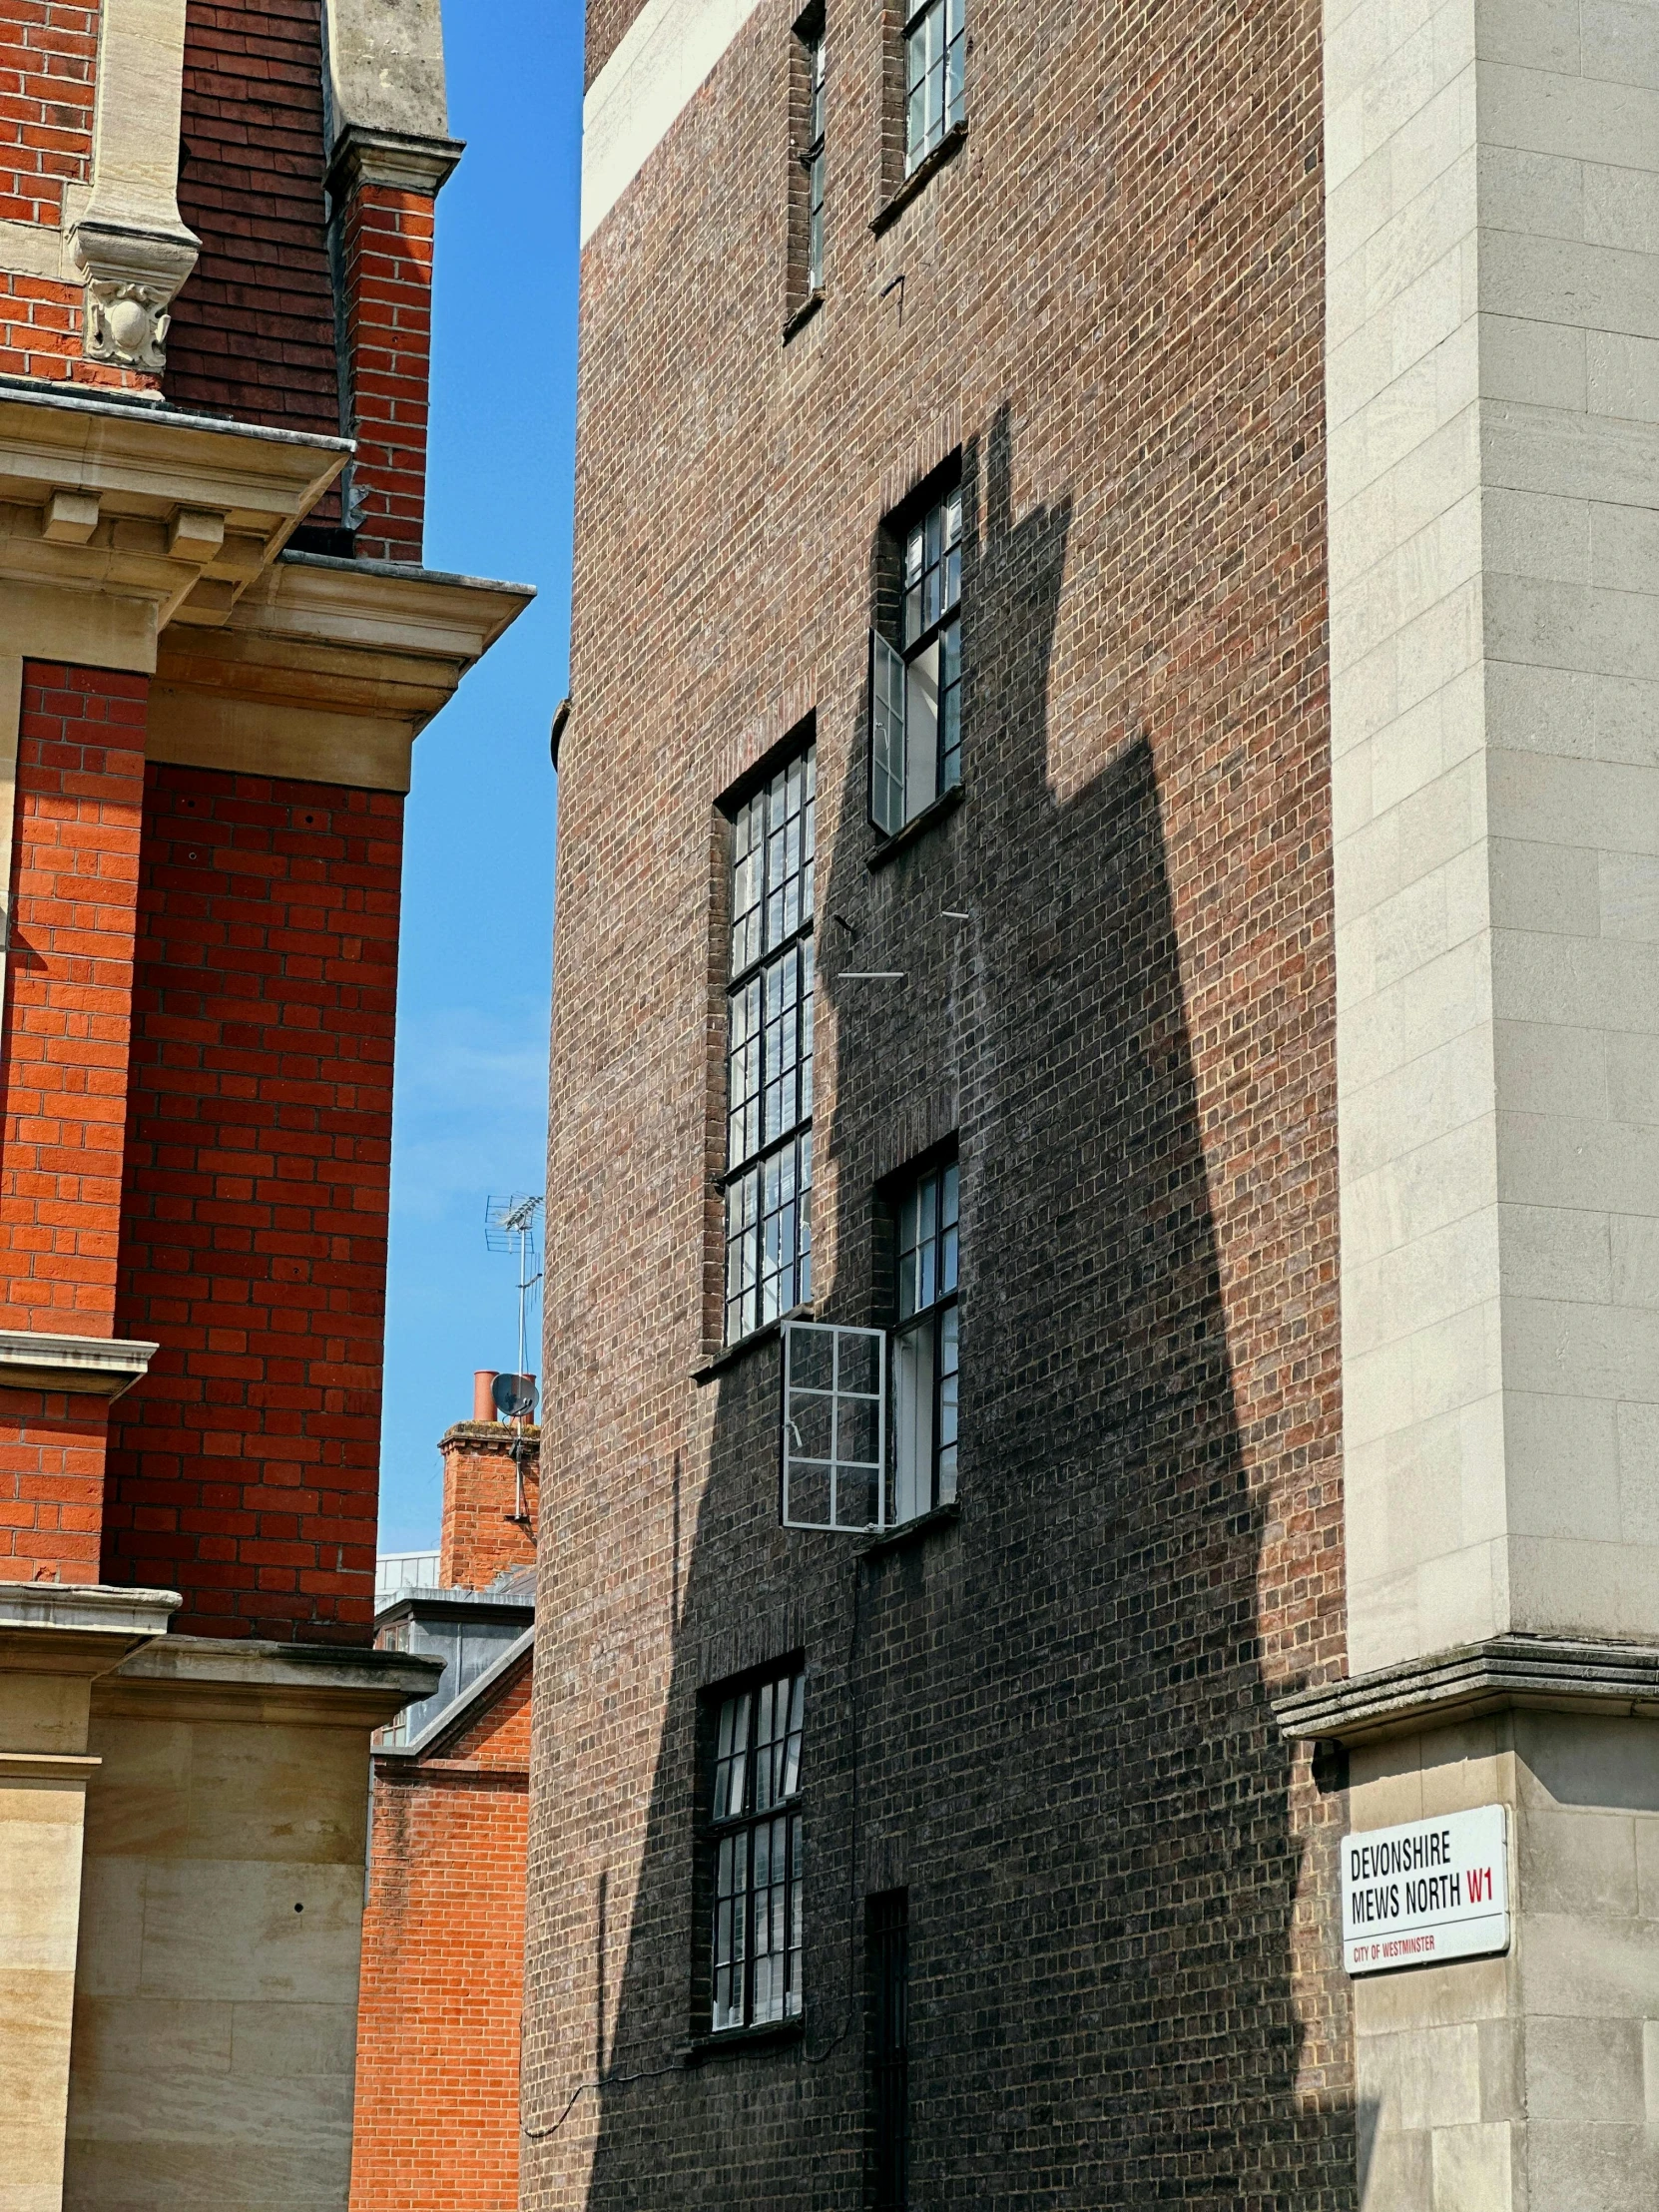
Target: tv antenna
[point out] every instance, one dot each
(510, 1227)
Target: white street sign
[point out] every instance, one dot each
(1426, 1892)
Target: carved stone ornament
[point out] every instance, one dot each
(127, 323)
(131, 275)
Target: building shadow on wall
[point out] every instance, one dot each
(1047, 1721)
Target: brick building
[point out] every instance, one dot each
(1115, 553)
(436, 2103)
(218, 643)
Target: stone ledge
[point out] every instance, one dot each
(86, 1366)
(80, 1629)
(1537, 1673)
(246, 1678)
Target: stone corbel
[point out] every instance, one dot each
(129, 243)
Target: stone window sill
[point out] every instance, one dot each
(803, 315)
(733, 2042)
(917, 826)
(914, 1531)
(921, 177)
(729, 1354)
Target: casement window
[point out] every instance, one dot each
(916, 684)
(811, 153)
(936, 46)
(924, 1345)
(769, 1150)
(888, 1998)
(754, 1840)
(869, 1416)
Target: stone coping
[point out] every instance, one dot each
(100, 1606)
(250, 1663)
(87, 1367)
(1541, 1673)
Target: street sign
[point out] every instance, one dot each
(1426, 1892)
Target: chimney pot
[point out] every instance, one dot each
(483, 1383)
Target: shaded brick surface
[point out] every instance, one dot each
(253, 1223)
(1049, 1721)
(254, 329)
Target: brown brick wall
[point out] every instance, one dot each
(253, 1224)
(254, 329)
(607, 22)
(437, 2121)
(1050, 1721)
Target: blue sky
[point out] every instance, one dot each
(471, 1100)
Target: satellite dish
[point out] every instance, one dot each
(515, 1397)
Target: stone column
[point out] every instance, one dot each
(53, 1643)
(1493, 419)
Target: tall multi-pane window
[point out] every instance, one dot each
(925, 1359)
(812, 155)
(755, 1826)
(768, 1149)
(936, 46)
(916, 686)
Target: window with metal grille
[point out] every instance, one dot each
(887, 1985)
(935, 49)
(755, 1836)
(924, 1358)
(769, 1150)
(811, 35)
(916, 686)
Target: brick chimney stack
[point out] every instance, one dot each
(483, 1490)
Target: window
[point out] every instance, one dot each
(924, 1345)
(917, 688)
(935, 47)
(755, 1829)
(888, 1981)
(768, 1151)
(811, 154)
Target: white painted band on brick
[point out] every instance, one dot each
(666, 56)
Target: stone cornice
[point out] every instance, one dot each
(245, 1679)
(136, 501)
(1541, 1673)
(85, 1367)
(398, 159)
(326, 670)
(78, 1629)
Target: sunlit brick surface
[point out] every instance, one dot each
(436, 2124)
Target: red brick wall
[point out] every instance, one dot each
(479, 1538)
(436, 2126)
(388, 319)
(63, 1088)
(48, 54)
(48, 58)
(243, 1473)
(254, 329)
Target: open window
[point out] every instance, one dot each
(915, 685)
(835, 1450)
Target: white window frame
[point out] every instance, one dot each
(801, 1467)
